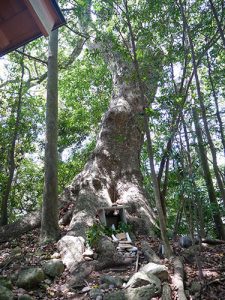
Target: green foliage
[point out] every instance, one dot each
(94, 233)
(84, 99)
(124, 227)
(98, 230)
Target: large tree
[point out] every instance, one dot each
(11, 153)
(112, 174)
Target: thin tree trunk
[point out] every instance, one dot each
(208, 178)
(219, 25)
(202, 152)
(162, 221)
(221, 127)
(164, 189)
(190, 203)
(11, 157)
(49, 221)
(156, 189)
(179, 216)
(176, 120)
(198, 205)
(174, 127)
(192, 213)
(203, 112)
(213, 152)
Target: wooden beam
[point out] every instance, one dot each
(4, 42)
(9, 35)
(43, 15)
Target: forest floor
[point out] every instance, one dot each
(26, 251)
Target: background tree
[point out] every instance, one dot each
(49, 222)
(11, 153)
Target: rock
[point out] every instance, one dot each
(166, 292)
(159, 271)
(195, 287)
(14, 276)
(95, 256)
(189, 254)
(30, 278)
(5, 293)
(187, 294)
(85, 289)
(88, 252)
(4, 281)
(87, 258)
(53, 267)
(94, 293)
(21, 291)
(142, 286)
(128, 254)
(71, 249)
(111, 280)
(55, 255)
(105, 246)
(99, 297)
(47, 281)
(82, 270)
(107, 254)
(111, 287)
(142, 293)
(104, 286)
(16, 251)
(125, 278)
(185, 242)
(137, 280)
(25, 297)
(117, 295)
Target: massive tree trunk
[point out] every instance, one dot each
(113, 174)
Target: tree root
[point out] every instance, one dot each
(31, 221)
(21, 226)
(213, 242)
(149, 253)
(166, 291)
(178, 278)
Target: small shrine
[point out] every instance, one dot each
(112, 215)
